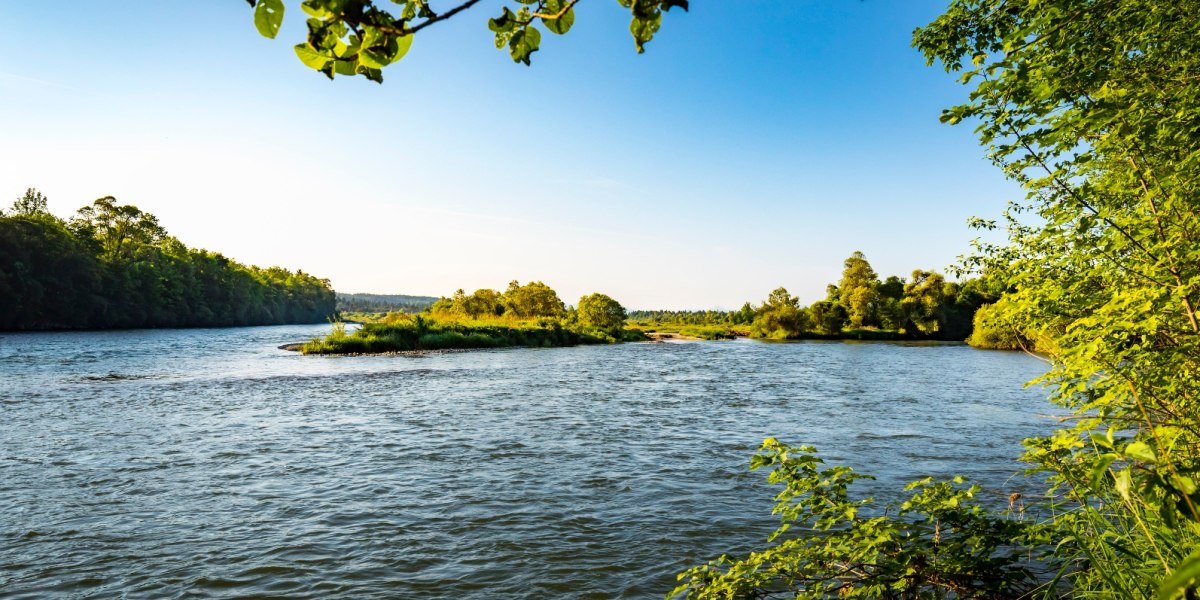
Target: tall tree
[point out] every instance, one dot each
(118, 229)
(31, 203)
(924, 301)
(859, 290)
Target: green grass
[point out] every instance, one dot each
(401, 333)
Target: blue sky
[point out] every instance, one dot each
(755, 144)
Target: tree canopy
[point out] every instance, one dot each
(601, 311)
(113, 265)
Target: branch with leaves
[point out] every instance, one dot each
(359, 37)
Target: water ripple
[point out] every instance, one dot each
(210, 463)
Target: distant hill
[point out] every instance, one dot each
(382, 302)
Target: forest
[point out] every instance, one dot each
(115, 266)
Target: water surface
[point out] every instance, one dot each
(210, 463)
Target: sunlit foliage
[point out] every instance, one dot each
(115, 266)
(1094, 107)
(601, 311)
(362, 37)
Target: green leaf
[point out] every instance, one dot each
(524, 43)
(345, 67)
(1123, 483)
(1141, 451)
(643, 29)
(563, 23)
(311, 58)
(268, 17)
(372, 59)
(1182, 575)
(402, 46)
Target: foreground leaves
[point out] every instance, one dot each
(362, 37)
(940, 542)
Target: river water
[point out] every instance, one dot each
(207, 462)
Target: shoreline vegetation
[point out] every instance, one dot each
(113, 266)
(860, 306)
(529, 315)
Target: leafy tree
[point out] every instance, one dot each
(117, 229)
(828, 317)
(483, 302)
(892, 288)
(31, 203)
(534, 299)
(924, 301)
(743, 316)
(780, 317)
(361, 37)
(833, 293)
(48, 278)
(891, 312)
(859, 290)
(1094, 108)
(600, 311)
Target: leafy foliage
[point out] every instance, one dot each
(859, 290)
(939, 543)
(115, 266)
(1093, 106)
(534, 299)
(780, 317)
(402, 333)
(362, 37)
(600, 311)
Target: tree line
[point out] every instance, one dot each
(382, 303)
(523, 315)
(533, 300)
(115, 266)
(926, 305)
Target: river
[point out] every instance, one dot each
(207, 462)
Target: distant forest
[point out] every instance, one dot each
(378, 303)
(114, 266)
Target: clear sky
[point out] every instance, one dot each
(756, 144)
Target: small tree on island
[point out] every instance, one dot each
(601, 311)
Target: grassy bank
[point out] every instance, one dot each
(400, 333)
(702, 332)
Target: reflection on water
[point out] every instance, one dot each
(209, 462)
